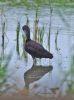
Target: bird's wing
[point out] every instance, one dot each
(34, 48)
(36, 45)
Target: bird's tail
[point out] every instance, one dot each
(50, 55)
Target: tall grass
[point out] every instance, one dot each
(17, 37)
(36, 28)
(56, 40)
(4, 64)
(3, 23)
(71, 74)
(24, 52)
(51, 10)
(3, 37)
(27, 20)
(3, 29)
(41, 34)
(38, 31)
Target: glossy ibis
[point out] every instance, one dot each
(35, 49)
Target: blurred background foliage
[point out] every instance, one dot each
(38, 3)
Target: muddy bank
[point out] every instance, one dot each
(23, 96)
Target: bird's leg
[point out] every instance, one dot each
(40, 61)
(34, 61)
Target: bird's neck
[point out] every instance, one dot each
(28, 39)
(27, 36)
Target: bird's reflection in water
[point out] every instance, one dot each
(36, 73)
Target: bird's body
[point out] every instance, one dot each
(35, 49)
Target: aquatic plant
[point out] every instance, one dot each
(3, 35)
(41, 34)
(49, 33)
(56, 40)
(17, 37)
(36, 28)
(4, 64)
(27, 20)
(24, 53)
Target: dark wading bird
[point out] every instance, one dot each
(35, 49)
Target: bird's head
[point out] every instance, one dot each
(26, 29)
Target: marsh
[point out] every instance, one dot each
(52, 25)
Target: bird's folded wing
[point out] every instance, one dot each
(35, 48)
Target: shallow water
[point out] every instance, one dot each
(48, 77)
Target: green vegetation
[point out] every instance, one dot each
(17, 37)
(56, 40)
(41, 34)
(3, 35)
(38, 3)
(4, 64)
(71, 81)
(24, 53)
(38, 33)
(72, 65)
